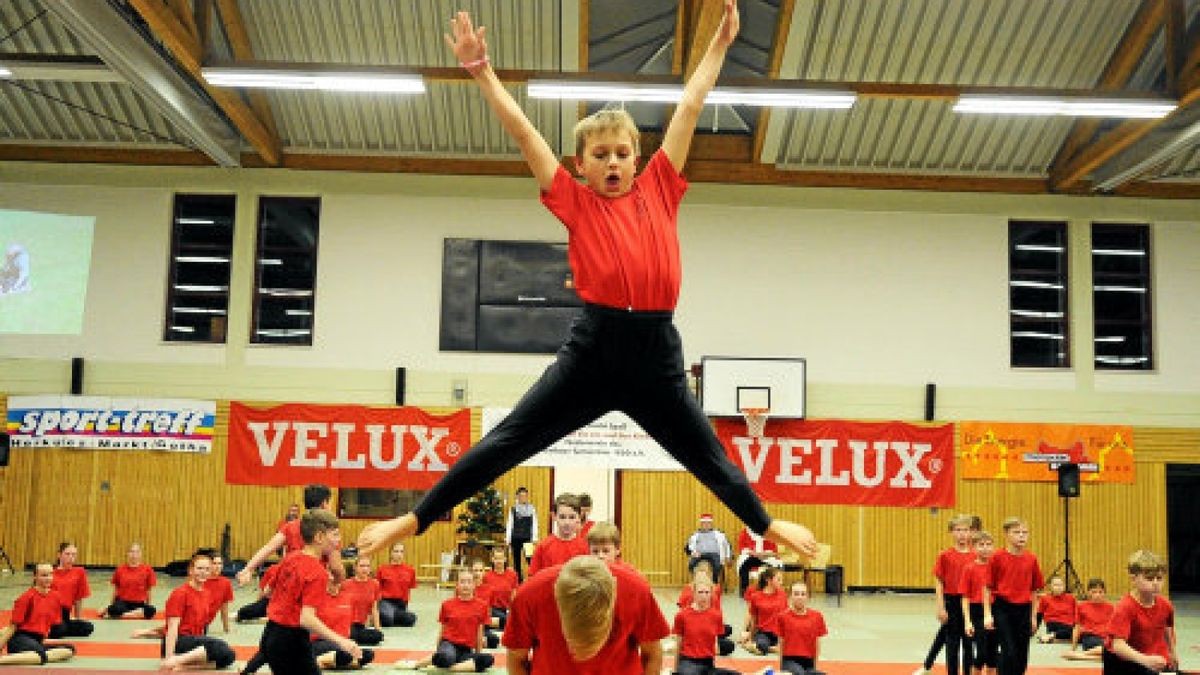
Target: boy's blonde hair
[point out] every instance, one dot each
(703, 566)
(981, 535)
(586, 594)
(604, 533)
(1010, 523)
(567, 499)
(608, 119)
(1144, 561)
(962, 520)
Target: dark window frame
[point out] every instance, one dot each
(1145, 276)
(257, 295)
(1057, 273)
(218, 328)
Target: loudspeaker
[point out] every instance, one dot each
(400, 385)
(4, 446)
(77, 375)
(1068, 480)
(930, 399)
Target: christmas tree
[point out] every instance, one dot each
(482, 516)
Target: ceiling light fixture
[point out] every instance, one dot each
(767, 97)
(1070, 106)
(324, 80)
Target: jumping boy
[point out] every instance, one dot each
(1141, 633)
(287, 537)
(624, 351)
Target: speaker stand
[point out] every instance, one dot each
(1066, 569)
(7, 561)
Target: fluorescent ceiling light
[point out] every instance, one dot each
(298, 312)
(396, 83)
(270, 261)
(283, 332)
(1117, 251)
(198, 310)
(1036, 334)
(1035, 284)
(5, 72)
(1034, 314)
(994, 104)
(1110, 338)
(672, 93)
(1040, 247)
(1122, 360)
(201, 259)
(1120, 289)
(201, 288)
(195, 221)
(286, 292)
(183, 329)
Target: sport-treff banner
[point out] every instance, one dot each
(839, 462)
(105, 423)
(611, 441)
(1033, 451)
(343, 445)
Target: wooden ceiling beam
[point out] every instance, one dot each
(243, 50)
(187, 50)
(1121, 65)
(783, 26)
(704, 16)
(1174, 37)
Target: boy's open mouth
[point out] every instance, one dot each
(612, 182)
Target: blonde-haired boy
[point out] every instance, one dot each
(1141, 633)
(624, 351)
(585, 617)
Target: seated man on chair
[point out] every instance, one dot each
(710, 544)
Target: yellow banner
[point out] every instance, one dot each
(1032, 452)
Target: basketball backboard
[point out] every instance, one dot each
(730, 384)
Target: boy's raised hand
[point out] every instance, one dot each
(730, 23)
(465, 40)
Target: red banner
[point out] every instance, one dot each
(343, 445)
(836, 462)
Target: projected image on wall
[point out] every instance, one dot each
(44, 264)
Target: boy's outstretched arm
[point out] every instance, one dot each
(471, 50)
(678, 138)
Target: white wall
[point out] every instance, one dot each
(880, 291)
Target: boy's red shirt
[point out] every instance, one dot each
(1057, 608)
(553, 551)
(1143, 628)
(134, 583)
(1015, 577)
(396, 581)
(623, 251)
(698, 632)
(36, 613)
(799, 633)
(1093, 617)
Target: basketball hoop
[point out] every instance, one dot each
(756, 420)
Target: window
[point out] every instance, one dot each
(286, 270)
(198, 281)
(1121, 296)
(378, 503)
(1037, 294)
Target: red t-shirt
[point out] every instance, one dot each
(301, 583)
(134, 583)
(502, 585)
(1093, 617)
(293, 541)
(461, 620)
(553, 551)
(534, 623)
(336, 612)
(396, 581)
(765, 608)
(35, 613)
(624, 251)
(191, 607)
(72, 585)
(686, 595)
(698, 631)
(1015, 577)
(949, 566)
(798, 633)
(220, 592)
(975, 578)
(1143, 628)
(363, 594)
(1057, 608)
(268, 578)
(751, 591)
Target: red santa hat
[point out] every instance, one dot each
(706, 516)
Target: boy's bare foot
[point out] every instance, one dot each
(378, 536)
(793, 535)
(6, 633)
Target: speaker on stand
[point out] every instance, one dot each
(1068, 489)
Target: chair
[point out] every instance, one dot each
(832, 575)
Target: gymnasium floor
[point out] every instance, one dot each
(870, 634)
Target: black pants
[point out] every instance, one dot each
(394, 612)
(24, 641)
(613, 360)
(689, 666)
(70, 627)
(798, 665)
(254, 610)
(1111, 664)
(1059, 631)
(120, 607)
(958, 646)
(764, 640)
(517, 548)
(216, 651)
(448, 654)
(500, 615)
(286, 650)
(1013, 630)
(365, 636)
(983, 644)
(935, 648)
(341, 660)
